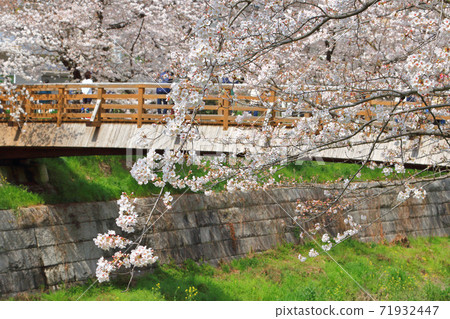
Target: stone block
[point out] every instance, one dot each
(21, 281)
(245, 245)
(16, 260)
(230, 215)
(3, 262)
(84, 269)
(68, 233)
(60, 273)
(257, 228)
(188, 203)
(189, 237)
(205, 234)
(70, 252)
(184, 220)
(216, 250)
(8, 220)
(207, 218)
(17, 239)
(69, 272)
(438, 186)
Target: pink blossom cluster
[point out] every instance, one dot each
(167, 200)
(127, 219)
(143, 170)
(104, 269)
(111, 241)
(142, 256)
(355, 227)
(418, 193)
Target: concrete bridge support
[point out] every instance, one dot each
(23, 172)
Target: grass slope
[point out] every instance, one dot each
(388, 272)
(99, 178)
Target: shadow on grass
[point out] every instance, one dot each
(88, 179)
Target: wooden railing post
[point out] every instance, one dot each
(27, 108)
(225, 109)
(61, 99)
(96, 117)
(22, 102)
(100, 100)
(140, 109)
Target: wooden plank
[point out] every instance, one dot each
(119, 115)
(155, 96)
(121, 96)
(212, 98)
(44, 97)
(248, 108)
(156, 116)
(247, 97)
(141, 91)
(77, 116)
(157, 106)
(215, 117)
(81, 96)
(120, 106)
(60, 106)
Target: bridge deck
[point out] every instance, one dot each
(74, 139)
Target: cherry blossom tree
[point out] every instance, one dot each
(334, 59)
(115, 40)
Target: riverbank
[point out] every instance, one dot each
(51, 246)
(414, 270)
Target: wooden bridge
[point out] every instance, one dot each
(62, 121)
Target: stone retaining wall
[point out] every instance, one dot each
(45, 246)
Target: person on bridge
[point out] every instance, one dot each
(87, 80)
(165, 77)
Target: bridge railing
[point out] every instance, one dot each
(139, 103)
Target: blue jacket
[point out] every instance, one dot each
(164, 79)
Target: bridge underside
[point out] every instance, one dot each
(8, 154)
(26, 152)
(36, 140)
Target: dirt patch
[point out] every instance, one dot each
(105, 168)
(382, 257)
(401, 240)
(272, 274)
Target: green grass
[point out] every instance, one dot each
(78, 179)
(12, 197)
(388, 272)
(100, 178)
(321, 172)
(91, 178)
